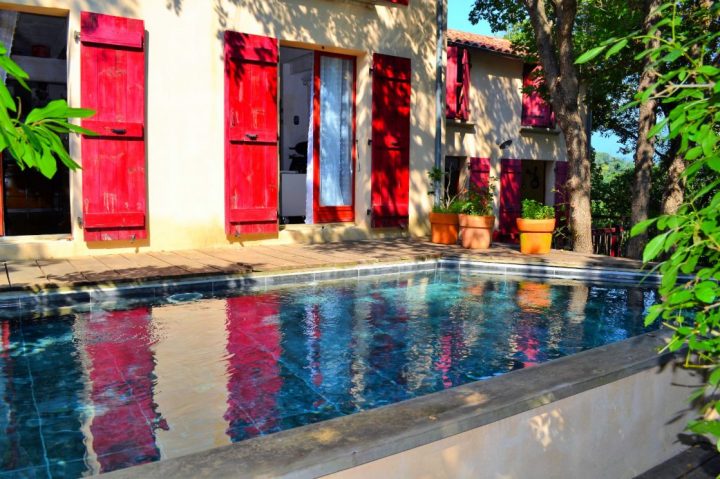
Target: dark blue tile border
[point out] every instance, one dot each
(222, 284)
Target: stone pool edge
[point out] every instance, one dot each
(342, 443)
(260, 281)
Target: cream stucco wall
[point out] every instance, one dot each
(495, 114)
(185, 104)
(617, 430)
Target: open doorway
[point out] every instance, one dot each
(520, 180)
(317, 136)
(31, 203)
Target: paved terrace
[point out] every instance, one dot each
(51, 274)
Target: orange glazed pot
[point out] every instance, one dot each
(476, 231)
(444, 228)
(535, 235)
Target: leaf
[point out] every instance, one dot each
(46, 163)
(616, 48)
(706, 291)
(641, 227)
(654, 247)
(709, 70)
(714, 377)
(589, 55)
(54, 109)
(653, 314)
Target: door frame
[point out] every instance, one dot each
(332, 214)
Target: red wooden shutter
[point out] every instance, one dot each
(451, 83)
(390, 180)
(535, 110)
(510, 181)
(400, 2)
(464, 93)
(562, 210)
(112, 61)
(480, 173)
(251, 135)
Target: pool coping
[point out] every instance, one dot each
(65, 297)
(341, 443)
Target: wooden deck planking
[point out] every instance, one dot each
(60, 271)
(260, 262)
(219, 264)
(268, 258)
(4, 281)
(27, 274)
(186, 265)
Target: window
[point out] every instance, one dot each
(458, 83)
(31, 204)
(536, 112)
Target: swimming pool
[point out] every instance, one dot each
(111, 385)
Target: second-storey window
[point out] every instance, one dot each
(535, 110)
(458, 83)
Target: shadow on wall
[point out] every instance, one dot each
(497, 108)
(357, 28)
(123, 8)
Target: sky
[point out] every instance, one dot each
(458, 11)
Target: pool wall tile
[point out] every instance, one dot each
(229, 284)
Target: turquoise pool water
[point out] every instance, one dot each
(112, 385)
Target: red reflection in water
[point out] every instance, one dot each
(528, 344)
(11, 457)
(117, 344)
(254, 348)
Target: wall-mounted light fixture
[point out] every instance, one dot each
(505, 144)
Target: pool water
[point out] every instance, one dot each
(109, 386)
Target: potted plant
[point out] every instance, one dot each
(476, 217)
(444, 215)
(536, 227)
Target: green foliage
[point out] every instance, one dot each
(610, 83)
(689, 242)
(534, 210)
(34, 141)
(479, 201)
(612, 180)
(448, 203)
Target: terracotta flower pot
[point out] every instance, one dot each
(476, 231)
(444, 228)
(535, 235)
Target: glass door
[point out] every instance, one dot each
(334, 138)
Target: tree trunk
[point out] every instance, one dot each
(645, 149)
(674, 193)
(555, 49)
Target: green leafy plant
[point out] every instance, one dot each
(688, 243)
(534, 210)
(34, 141)
(447, 203)
(479, 201)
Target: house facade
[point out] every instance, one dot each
(235, 121)
(498, 131)
(222, 122)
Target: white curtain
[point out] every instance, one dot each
(310, 176)
(8, 20)
(336, 83)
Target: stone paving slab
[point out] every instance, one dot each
(38, 275)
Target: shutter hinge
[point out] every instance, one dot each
(371, 70)
(369, 142)
(76, 36)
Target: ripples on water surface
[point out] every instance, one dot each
(113, 385)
